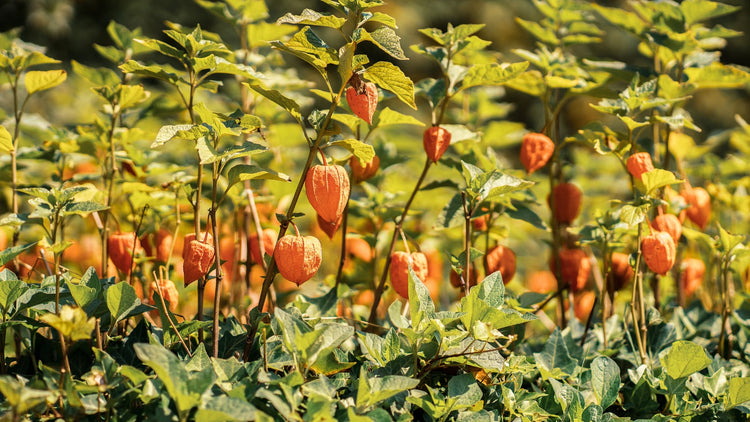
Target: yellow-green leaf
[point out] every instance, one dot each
(361, 150)
(131, 95)
(493, 74)
(6, 141)
(658, 178)
(389, 77)
(388, 117)
(739, 391)
(71, 323)
(39, 80)
(684, 358)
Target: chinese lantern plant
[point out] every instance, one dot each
(298, 257)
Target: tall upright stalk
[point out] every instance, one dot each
(272, 269)
(399, 224)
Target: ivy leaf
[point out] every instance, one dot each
(40, 80)
(389, 77)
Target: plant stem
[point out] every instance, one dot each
(467, 243)
(217, 258)
(109, 180)
(272, 269)
(399, 224)
(342, 258)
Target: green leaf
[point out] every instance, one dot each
(729, 241)
(242, 172)
(555, 360)
(87, 290)
(96, 76)
(172, 373)
(684, 358)
(530, 82)
(631, 215)
(72, 323)
(717, 75)
(316, 344)
(364, 152)
(493, 74)
(311, 17)
(277, 97)
(310, 48)
(152, 71)
(464, 390)
(8, 254)
(696, 11)
(498, 184)
(421, 308)
(225, 408)
(389, 117)
(168, 132)
(658, 178)
(131, 95)
(739, 392)
(6, 141)
(11, 290)
(121, 300)
(452, 215)
(605, 380)
(543, 34)
(627, 20)
(484, 308)
(389, 77)
(521, 212)
(21, 398)
(384, 38)
(83, 208)
(373, 390)
(40, 80)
